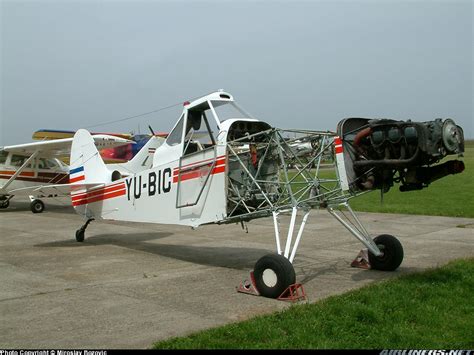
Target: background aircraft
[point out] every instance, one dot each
(37, 169)
(118, 154)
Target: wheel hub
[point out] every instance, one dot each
(269, 277)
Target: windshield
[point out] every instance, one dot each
(228, 109)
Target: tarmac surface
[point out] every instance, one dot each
(129, 285)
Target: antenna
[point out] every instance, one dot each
(151, 130)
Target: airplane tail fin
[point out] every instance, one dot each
(86, 164)
(144, 158)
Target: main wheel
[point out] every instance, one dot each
(37, 206)
(80, 235)
(392, 253)
(273, 274)
(4, 204)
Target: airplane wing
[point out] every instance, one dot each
(50, 134)
(62, 147)
(52, 190)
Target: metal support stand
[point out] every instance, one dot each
(362, 260)
(293, 293)
(248, 286)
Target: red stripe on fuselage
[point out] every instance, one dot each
(197, 173)
(199, 165)
(24, 173)
(194, 168)
(218, 160)
(89, 194)
(97, 189)
(105, 196)
(76, 179)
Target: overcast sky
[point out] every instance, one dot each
(73, 64)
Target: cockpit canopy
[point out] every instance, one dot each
(202, 120)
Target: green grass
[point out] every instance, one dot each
(429, 310)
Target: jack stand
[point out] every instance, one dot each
(248, 286)
(292, 293)
(362, 260)
(81, 231)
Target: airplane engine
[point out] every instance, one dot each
(381, 152)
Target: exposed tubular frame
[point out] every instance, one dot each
(300, 191)
(357, 229)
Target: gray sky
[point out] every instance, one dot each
(72, 64)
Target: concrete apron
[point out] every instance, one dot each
(129, 285)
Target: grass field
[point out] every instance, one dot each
(452, 195)
(429, 310)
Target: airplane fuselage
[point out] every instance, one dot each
(184, 191)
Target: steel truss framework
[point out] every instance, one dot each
(269, 176)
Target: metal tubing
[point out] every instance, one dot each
(277, 232)
(287, 183)
(366, 241)
(290, 232)
(250, 175)
(298, 238)
(361, 226)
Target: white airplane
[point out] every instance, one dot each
(241, 173)
(36, 170)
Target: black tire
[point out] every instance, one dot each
(37, 206)
(4, 204)
(273, 274)
(392, 255)
(80, 236)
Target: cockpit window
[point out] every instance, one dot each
(3, 156)
(19, 160)
(47, 163)
(199, 133)
(228, 109)
(175, 136)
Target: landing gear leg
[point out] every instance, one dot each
(80, 233)
(385, 252)
(274, 273)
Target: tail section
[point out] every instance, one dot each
(86, 164)
(90, 178)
